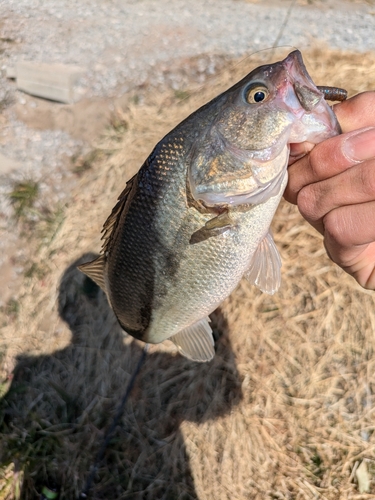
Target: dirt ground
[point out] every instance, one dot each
(286, 408)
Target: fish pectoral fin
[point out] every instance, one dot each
(95, 271)
(213, 227)
(264, 271)
(196, 342)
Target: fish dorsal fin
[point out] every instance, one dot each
(95, 271)
(264, 270)
(196, 342)
(111, 223)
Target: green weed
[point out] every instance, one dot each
(50, 224)
(181, 95)
(23, 197)
(11, 308)
(35, 271)
(84, 162)
(119, 124)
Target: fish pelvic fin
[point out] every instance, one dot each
(95, 271)
(265, 268)
(196, 342)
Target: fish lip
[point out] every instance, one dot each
(304, 100)
(298, 86)
(295, 66)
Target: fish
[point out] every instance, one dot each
(196, 217)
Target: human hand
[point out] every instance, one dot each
(333, 184)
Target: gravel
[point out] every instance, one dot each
(40, 154)
(123, 43)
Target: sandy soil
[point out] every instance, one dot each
(133, 48)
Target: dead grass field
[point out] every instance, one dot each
(284, 411)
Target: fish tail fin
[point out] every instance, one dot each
(95, 271)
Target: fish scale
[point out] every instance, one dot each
(196, 217)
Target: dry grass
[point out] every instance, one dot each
(284, 411)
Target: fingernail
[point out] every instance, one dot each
(297, 156)
(360, 145)
(300, 149)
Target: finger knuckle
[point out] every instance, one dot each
(326, 158)
(307, 203)
(367, 178)
(336, 228)
(315, 160)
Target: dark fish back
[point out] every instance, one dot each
(136, 252)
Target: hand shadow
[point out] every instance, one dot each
(54, 416)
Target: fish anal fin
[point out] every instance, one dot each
(95, 271)
(196, 342)
(265, 268)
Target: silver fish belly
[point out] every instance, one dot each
(196, 217)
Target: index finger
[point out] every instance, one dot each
(330, 158)
(357, 112)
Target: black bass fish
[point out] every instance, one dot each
(195, 219)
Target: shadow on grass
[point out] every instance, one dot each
(54, 417)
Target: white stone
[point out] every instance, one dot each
(10, 72)
(50, 81)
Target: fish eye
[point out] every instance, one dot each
(257, 93)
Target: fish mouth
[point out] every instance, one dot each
(314, 120)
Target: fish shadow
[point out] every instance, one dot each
(55, 415)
